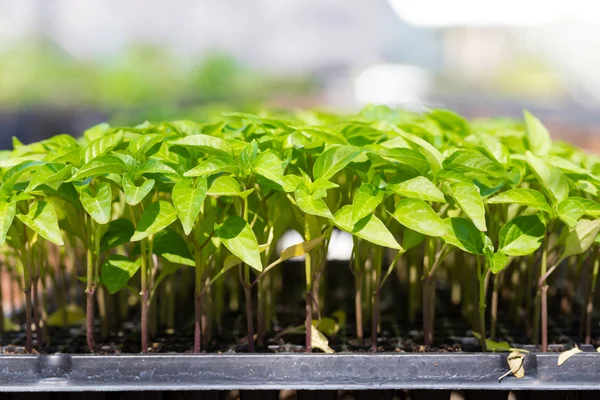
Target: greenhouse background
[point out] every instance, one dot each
(66, 65)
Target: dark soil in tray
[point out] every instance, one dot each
(398, 334)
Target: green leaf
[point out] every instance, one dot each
(472, 161)
(117, 270)
(155, 218)
(333, 160)
(592, 207)
(417, 215)
(311, 204)
(96, 131)
(370, 228)
(12, 176)
(409, 157)
(227, 186)
(411, 239)
(188, 196)
(522, 236)
(154, 167)
(270, 167)
(99, 207)
(580, 239)
(99, 166)
(42, 219)
(462, 233)
(467, 197)
(497, 262)
(7, 214)
(207, 144)
(238, 237)
(525, 197)
(366, 199)
(570, 211)
(213, 165)
(554, 182)
(169, 245)
(135, 194)
(48, 174)
(417, 188)
(101, 146)
(538, 138)
(119, 232)
(433, 156)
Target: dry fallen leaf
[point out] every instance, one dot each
(565, 355)
(319, 341)
(515, 362)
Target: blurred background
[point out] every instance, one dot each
(67, 64)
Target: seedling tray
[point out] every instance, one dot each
(459, 371)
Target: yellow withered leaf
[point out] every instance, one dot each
(565, 355)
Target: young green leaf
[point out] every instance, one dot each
(467, 197)
(119, 232)
(48, 174)
(472, 161)
(207, 144)
(7, 214)
(522, 236)
(525, 197)
(135, 194)
(409, 157)
(101, 146)
(169, 245)
(411, 239)
(497, 262)
(214, 165)
(538, 138)
(42, 219)
(155, 218)
(417, 215)
(554, 182)
(310, 204)
(227, 186)
(154, 167)
(98, 206)
(570, 211)
(417, 188)
(370, 228)
(99, 166)
(580, 239)
(366, 199)
(238, 237)
(334, 160)
(268, 166)
(462, 233)
(117, 270)
(188, 196)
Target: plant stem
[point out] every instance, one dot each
(481, 274)
(101, 300)
(144, 295)
(249, 313)
(308, 299)
(494, 310)
(358, 308)
(544, 296)
(198, 295)
(3, 259)
(90, 288)
(590, 302)
(36, 313)
(377, 260)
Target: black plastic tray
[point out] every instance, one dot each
(456, 371)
